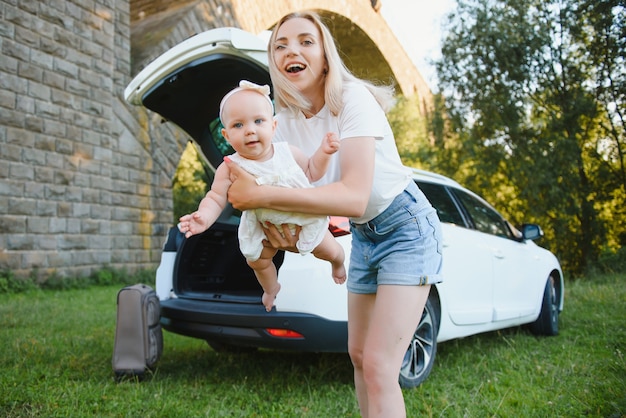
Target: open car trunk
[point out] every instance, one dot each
(208, 266)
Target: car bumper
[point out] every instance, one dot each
(248, 324)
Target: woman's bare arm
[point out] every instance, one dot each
(346, 197)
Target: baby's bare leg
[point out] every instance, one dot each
(330, 250)
(266, 274)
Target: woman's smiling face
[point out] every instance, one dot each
(298, 53)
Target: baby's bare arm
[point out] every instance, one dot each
(210, 206)
(316, 166)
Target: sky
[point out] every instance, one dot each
(417, 25)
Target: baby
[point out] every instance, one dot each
(247, 115)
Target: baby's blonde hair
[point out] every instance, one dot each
(286, 95)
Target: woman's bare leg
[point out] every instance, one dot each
(379, 334)
(360, 308)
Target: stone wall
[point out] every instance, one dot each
(78, 189)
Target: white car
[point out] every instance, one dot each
(495, 276)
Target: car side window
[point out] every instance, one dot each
(484, 218)
(443, 202)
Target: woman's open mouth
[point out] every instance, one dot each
(295, 68)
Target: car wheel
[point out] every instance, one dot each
(220, 347)
(548, 321)
(420, 356)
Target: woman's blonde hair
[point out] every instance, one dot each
(286, 95)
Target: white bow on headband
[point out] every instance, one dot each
(264, 90)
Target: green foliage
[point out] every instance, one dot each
(190, 184)
(535, 94)
(9, 284)
(57, 345)
(421, 136)
(413, 142)
(610, 262)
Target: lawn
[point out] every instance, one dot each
(56, 349)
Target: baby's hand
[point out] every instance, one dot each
(192, 224)
(330, 144)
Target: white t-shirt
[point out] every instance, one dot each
(361, 116)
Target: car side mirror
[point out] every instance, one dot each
(531, 231)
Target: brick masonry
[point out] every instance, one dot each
(85, 179)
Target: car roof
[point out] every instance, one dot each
(430, 177)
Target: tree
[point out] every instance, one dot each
(422, 139)
(535, 91)
(190, 183)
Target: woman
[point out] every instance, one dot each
(396, 235)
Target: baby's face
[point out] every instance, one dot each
(249, 125)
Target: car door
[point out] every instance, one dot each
(510, 292)
(466, 290)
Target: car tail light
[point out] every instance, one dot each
(283, 333)
(339, 225)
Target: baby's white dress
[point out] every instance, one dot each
(281, 170)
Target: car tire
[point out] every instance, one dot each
(548, 321)
(420, 356)
(220, 347)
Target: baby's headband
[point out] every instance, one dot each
(247, 85)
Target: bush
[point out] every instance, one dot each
(105, 277)
(11, 284)
(614, 262)
(610, 262)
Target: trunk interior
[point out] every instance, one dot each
(210, 266)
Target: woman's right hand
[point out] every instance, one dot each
(281, 241)
(241, 191)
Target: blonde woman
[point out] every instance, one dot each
(396, 234)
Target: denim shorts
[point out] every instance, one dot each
(401, 246)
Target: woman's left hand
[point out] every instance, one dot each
(281, 239)
(241, 192)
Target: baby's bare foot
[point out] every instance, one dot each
(268, 297)
(339, 273)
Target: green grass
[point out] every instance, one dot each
(56, 347)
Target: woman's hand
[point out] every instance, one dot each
(242, 190)
(284, 240)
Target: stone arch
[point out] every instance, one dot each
(368, 44)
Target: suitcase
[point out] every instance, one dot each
(138, 333)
